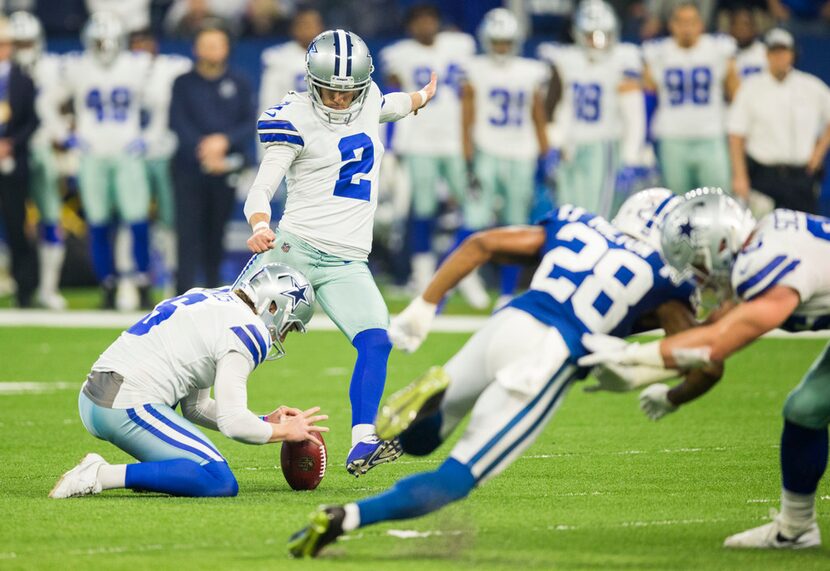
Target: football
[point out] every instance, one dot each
(303, 463)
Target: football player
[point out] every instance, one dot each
(693, 74)
(160, 141)
(780, 273)
(503, 111)
(106, 84)
(515, 371)
(325, 143)
(188, 344)
(431, 144)
(601, 116)
(751, 57)
(283, 65)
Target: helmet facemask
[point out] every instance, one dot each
(595, 28)
(103, 37)
(500, 26)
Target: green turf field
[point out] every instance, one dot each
(602, 488)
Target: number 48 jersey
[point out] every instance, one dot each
(594, 279)
(174, 349)
(791, 249)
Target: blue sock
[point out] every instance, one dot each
(422, 235)
(183, 478)
(369, 375)
(99, 236)
(509, 278)
(423, 437)
(418, 495)
(51, 234)
(803, 457)
(141, 246)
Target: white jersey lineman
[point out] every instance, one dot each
(283, 68)
(789, 248)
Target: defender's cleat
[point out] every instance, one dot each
(371, 452)
(770, 536)
(324, 527)
(82, 480)
(417, 400)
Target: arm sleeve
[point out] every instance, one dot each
(272, 169)
(395, 106)
(232, 415)
(199, 408)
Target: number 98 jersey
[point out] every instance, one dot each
(690, 85)
(333, 181)
(595, 279)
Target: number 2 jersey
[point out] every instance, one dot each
(595, 279)
(792, 249)
(174, 349)
(690, 85)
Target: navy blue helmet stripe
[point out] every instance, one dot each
(348, 54)
(337, 52)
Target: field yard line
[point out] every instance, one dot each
(16, 388)
(320, 322)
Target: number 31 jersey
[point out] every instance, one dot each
(595, 279)
(690, 85)
(789, 248)
(333, 182)
(174, 349)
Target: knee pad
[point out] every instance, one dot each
(223, 482)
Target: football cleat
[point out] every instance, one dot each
(82, 480)
(770, 536)
(324, 527)
(371, 452)
(418, 399)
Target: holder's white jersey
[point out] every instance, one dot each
(590, 102)
(437, 129)
(751, 59)
(160, 140)
(690, 86)
(174, 349)
(789, 248)
(332, 183)
(504, 93)
(107, 100)
(283, 70)
(46, 75)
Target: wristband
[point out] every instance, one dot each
(264, 418)
(260, 225)
(423, 95)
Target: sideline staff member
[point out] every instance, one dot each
(779, 130)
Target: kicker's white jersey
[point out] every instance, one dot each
(174, 349)
(504, 92)
(438, 128)
(107, 100)
(46, 75)
(160, 140)
(590, 104)
(789, 248)
(283, 70)
(332, 185)
(751, 59)
(690, 82)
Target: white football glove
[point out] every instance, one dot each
(608, 349)
(654, 402)
(411, 326)
(622, 378)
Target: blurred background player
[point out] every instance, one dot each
(693, 74)
(503, 112)
(283, 65)
(601, 112)
(107, 83)
(18, 122)
(326, 144)
(160, 143)
(206, 339)
(213, 114)
(431, 144)
(751, 56)
(44, 69)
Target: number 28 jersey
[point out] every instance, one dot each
(690, 85)
(333, 181)
(594, 279)
(174, 349)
